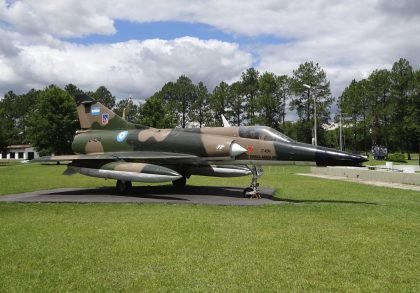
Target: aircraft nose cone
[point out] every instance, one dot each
(331, 157)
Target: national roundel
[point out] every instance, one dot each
(122, 135)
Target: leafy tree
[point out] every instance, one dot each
(178, 97)
(3, 142)
(386, 105)
(9, 119)
(27, 105)
(15, 111)
(350, 104)
(104, 96)
(219, 102)
(249, 80)
(236, 102)
(402, 93)
(283, 85)
(303, 101)
(185, 94)
(269, 100)
(379, 108)
(127, 109)
(200, 108)
(364, 107)
(52, 126)
(415, 113)
(154, 113)
(290, 129)
(169, 101)
(332, 139)
(73, 90)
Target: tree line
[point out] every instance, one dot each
(372, 110)
(257, 98)
(384, 109)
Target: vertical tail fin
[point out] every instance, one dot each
(94, 115)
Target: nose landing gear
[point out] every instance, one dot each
(253, 191)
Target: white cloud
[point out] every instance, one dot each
(348, 39)
(129, 68)
(344, 58)
(58, 18)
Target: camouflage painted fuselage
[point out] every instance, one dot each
(110, 147)
(262, 145)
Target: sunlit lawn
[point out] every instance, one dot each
(328, 236)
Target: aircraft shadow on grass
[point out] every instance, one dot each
(166, 192)
(289, 200)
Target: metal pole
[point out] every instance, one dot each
(316, 141)
(309, 100)
(341, 134)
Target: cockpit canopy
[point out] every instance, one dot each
(263, 133)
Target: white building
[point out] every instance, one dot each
(19, 152)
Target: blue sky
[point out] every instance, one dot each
(167, 30)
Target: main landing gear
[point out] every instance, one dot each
(123, 187)
(180, 183)
(253, 191)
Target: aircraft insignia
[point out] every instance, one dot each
(95, 111)
(105, 119)
(122, 135)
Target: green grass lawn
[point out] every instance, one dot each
(330, 236)
(18, 178)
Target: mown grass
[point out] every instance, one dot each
(331, 236)
(18, 178)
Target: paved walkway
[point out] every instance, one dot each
(375, 183)
(146, 194)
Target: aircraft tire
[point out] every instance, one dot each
(247, 192)
(123, 187)
(180, 183)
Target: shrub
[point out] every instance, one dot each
(397, 157)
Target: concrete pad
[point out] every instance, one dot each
(368, 182)
(403, 168)
(363, 173)
(147, 194)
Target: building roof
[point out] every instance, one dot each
(19, 146)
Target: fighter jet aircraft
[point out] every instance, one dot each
(107, 146)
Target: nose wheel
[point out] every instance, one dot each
(253, 191)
